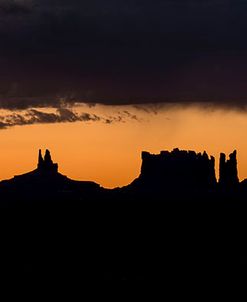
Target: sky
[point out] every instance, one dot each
(112, 76)
(122, 52)
(107, 149)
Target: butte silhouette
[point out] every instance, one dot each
(168, 176)
(175, 213)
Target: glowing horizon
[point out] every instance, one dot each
(110, 153)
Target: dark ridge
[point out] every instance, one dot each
(174, 175)
(228, 170)
(46, 164)
(174, 219)
(183, 168)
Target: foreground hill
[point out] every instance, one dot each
(45, 186)
(169, 176)
(175, 217)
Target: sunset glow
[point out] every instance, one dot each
(110, 153)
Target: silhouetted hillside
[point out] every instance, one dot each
(176, 175)
(183, 168)
(175, 214)
(45, 186)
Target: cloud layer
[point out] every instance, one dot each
(60, 115)
(122, 52)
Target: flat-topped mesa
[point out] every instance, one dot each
(180, 168)
(46, 164)
(228, 169)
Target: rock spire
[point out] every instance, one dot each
(46, 164)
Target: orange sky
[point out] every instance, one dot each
(110, 153)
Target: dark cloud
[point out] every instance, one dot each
(21, 103)
(15, 7)
(61, 115)
(33, 116)
(122, 52)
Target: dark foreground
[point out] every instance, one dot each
(121, 240)
(175, 219)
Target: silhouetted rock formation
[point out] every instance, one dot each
(46, 184)
(181, 169)
(40, 160)
(228, 170)
(175, 175)
(174, 214)
(46, 165)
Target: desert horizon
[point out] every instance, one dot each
(109, 152)
(97, 82)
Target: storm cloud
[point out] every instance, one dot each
(122, 52)
(33, 116)
(61, 115)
